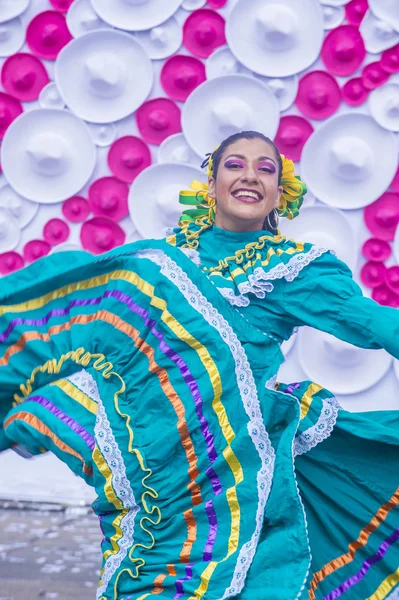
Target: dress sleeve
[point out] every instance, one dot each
(325, 296)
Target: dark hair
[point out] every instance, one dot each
(247, 135)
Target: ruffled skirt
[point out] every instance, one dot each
(213, 481)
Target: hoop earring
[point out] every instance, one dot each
(276, 219)
(207, 205)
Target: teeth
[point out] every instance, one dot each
(250, 194)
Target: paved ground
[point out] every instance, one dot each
(50, 552)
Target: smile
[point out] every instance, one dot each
(246, 195)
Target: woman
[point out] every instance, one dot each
(153, 376)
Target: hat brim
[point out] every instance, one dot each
(15, 41)
(241, 37)
(16, 163)
(135, 18)
(316, 361)
(158, 51)
(377, 106)
(147, 188)
(200, 130)
(326, 227)
(71, 78)
(74, 18)
(12, 9)
(316, 163)
(174, 143)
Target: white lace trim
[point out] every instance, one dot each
(192, 254)
(120, 482)
(249, 396)
(321, 430)
(259, 281)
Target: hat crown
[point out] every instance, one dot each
(107, 75)
(23, 78)
(318, 96)
(341, 353)
(344, 49)
(180, 154)
(168, 203)
(186, 77)
(351, 159)
(158, 119)
(277, 27)
(49, 153)
(392, 105)
(231, 116)
(292, 135)
(384, 30)
(89, 19)
(277, 86)
(387, 216)
(5, 33)
(159, 35)
(131, 158)
(205, 33)
(50, 34)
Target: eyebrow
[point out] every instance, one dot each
(244, 157)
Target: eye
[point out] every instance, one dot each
(234, 165)
(267, 168)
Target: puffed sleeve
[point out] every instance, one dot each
(324, 295)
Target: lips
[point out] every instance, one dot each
(247, 195)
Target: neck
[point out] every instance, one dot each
(236, 225)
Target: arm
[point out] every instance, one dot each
(325, 296)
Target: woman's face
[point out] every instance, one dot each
(246, 187)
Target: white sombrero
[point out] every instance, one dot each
(9, 9)
(333, 16)
(285, 89)
(334, 2)
(193, 4)
(226, 105)
(135, 15)
(47, 155)
(349, 161)
(325, 227)
(377, 35)
(161, 41)
(384, 106)
(176, 149)
(10, 231)
(154, 196)
(82, 18)
(387, 10)
(104, 75)
(272, 36)
(50, 97)
(339, 366)
(12, 36)
(20, 208)
(223, 62)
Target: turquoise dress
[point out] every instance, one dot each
(151, 372)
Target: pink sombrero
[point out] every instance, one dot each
(157, 119)
(128, 156)
(203, 32)
(180, 75)
(343, 50)
(24, 76)
(47, 34)
(319, 95)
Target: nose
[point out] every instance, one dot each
(249, 175)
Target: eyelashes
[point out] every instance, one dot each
(238, 164)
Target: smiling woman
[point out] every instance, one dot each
(153, 377)
(246, 181)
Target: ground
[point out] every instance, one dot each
(48, 551)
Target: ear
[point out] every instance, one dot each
(280, 191)
(212, 187)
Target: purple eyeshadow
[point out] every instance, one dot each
(236, 161)
(269, 165)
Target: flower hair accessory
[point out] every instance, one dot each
(294, 191)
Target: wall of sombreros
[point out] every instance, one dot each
(108, 107)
